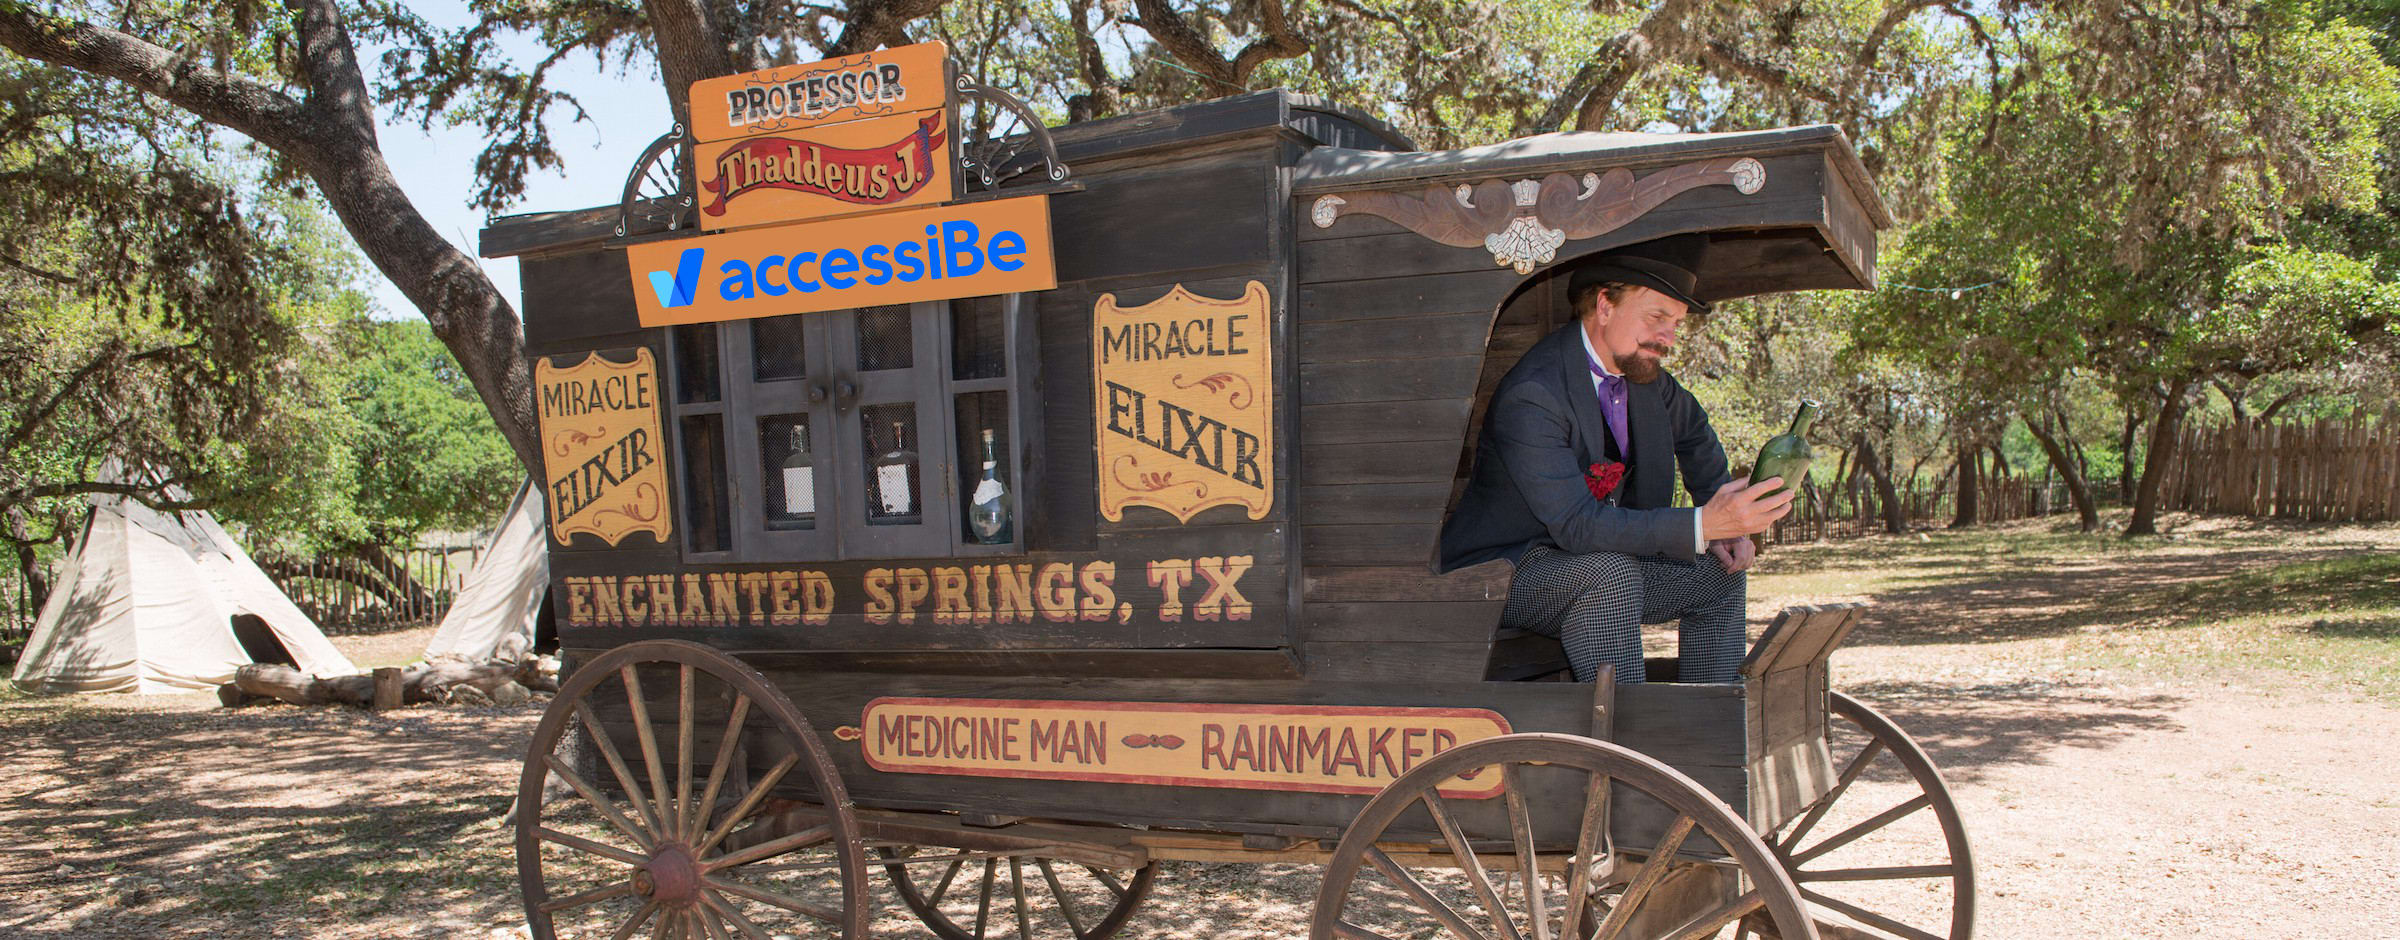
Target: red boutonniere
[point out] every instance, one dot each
(1602, 478)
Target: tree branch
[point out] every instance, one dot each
(43, 273)
(145, 495)
(239, 102)
(1774, 77)
(879, 22)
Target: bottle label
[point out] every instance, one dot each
(891, 488)
(799, 491)
(988, 491)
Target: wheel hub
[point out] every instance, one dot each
(670, 876)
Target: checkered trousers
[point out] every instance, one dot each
(1596, 605)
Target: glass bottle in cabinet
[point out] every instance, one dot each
(894, 499)
(988, 514)
(799, 509)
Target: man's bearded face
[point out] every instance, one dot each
(1637, 332)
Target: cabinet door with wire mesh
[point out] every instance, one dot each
(896, 486)
(790, 452)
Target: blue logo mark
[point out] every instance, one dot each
(677, 291)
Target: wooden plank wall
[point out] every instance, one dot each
(1390, 369)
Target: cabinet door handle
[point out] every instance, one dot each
(816, 394)
(845, 392)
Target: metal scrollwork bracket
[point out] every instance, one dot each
(989, 162)
(658, 191)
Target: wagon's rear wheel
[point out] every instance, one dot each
(964, 895)
(653, 833)
(1581, 886)
(1887, 839)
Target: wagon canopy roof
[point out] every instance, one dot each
(1328, 169)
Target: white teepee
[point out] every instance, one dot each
(495, 610)
(148, 603)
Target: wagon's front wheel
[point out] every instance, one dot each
(1885, 849)
(1693, 866)
(964, 895)
(658, 831)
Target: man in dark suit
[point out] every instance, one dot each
(1575, 472)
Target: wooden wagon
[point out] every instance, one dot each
(1228, 427)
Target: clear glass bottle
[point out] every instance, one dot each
(1787, 455)
(799, 508)
(895, 499)
(988, 514)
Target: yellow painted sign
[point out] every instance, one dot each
(1307, 748)
(604, 454)
(861, 166)
(932, 253)
(811, 94)
(1183, 393)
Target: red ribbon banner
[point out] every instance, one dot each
(871, 176)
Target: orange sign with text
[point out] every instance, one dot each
(1307, 748)
(811, 94)
(861, 166)
(929, 253)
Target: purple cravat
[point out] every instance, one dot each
(1612, 405)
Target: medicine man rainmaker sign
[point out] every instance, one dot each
(1306, 748)
(601, 446)
(1184, 389)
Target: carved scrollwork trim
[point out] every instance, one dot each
(1524, 222)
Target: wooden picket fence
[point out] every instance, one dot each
(1852, 512)
(330, 591)
(2342, 470)
(16, 615)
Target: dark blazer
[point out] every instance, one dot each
(1543, 429)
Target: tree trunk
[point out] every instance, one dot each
(2133, 424)
(1895, 516)
(1969, 480)
(2154, 464)
(2087, 512)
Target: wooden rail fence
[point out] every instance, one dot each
(2344, 470)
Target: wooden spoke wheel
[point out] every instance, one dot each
(659, 832)
(1578, 886)
(965, 895)
(1886, 839)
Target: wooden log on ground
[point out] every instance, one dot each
(282, 683)
(431, 682)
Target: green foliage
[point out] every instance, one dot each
(426, 451)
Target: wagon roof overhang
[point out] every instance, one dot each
(1333, 169)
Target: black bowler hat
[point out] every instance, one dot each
(1666, 265)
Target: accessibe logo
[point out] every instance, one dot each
(675, 288)
(939, 252)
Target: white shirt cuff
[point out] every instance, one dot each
(1699, 545)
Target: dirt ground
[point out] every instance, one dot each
(2166, 740)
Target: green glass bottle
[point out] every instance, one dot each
(1786, 455)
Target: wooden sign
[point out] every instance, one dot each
(838, 137)
(1183, 393)
(602, 449)
(1208, 588)
(812, 94)
(931, 253)
(1305, 748)
(861, 166)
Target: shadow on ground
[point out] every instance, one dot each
(168, 823)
